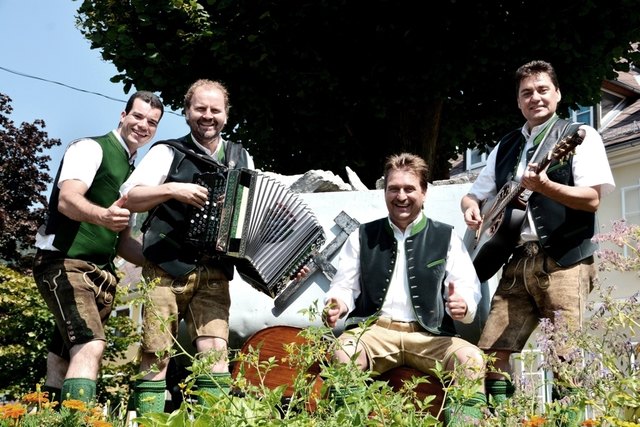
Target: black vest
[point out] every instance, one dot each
(565, 234)
(166, 227)
(426, 252)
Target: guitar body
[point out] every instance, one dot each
(492, 245)
(494, 249)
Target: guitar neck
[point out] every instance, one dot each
(514, 192)
(502, 200)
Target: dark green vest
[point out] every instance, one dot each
(426, 253)
(166, 226)
(565, 234)
(83, 240)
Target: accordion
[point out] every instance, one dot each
(255, 219)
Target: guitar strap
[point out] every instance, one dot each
(558, 130)
(550, 138)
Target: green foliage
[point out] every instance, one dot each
(602, 371)
(26, 325)
(35, 410)
(609, 387)
(623, 236)
(328, 84)
(347, 396)
(23, 178)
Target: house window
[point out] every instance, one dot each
(630, 207)
(475, 158)
(610, 102)
(610, 106)
(599, 116)
(532, 378)
(583, 115)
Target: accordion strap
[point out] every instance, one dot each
(183, 146)
(232, 153)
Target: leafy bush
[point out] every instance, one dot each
(26, 325)
(603, 371)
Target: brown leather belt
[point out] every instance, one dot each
(395, 325)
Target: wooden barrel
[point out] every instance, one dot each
(271, 342)
(396, 378)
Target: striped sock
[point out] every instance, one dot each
(498, 391)
(462, 414)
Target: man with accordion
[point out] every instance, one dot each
(189, 284)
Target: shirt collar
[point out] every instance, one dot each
(206, 150)
(410, 228)
(132, 157)
(539, 128)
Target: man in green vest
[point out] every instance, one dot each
(86, 228)
(548, 269)
(415, 276)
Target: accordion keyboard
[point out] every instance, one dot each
(204, 222)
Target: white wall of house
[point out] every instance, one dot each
(625, 165)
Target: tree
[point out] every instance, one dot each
(326, 84)
(23, 178)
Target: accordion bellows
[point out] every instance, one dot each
(267, 229)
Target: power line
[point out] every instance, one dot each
(29, 76)
(59, 83)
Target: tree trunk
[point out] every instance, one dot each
(418, 134)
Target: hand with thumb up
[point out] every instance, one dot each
(116, 217)
(456, 305)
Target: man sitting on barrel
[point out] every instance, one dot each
(415, 276)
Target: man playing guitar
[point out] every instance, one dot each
(551, 269)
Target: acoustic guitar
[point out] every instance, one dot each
(491, 245)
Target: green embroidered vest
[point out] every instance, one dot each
(83, 240)
(426, 253)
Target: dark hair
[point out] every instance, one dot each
(407, 161)
(533, 68)
(148, 97)
(202, 83)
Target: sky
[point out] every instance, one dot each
(54, 75)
